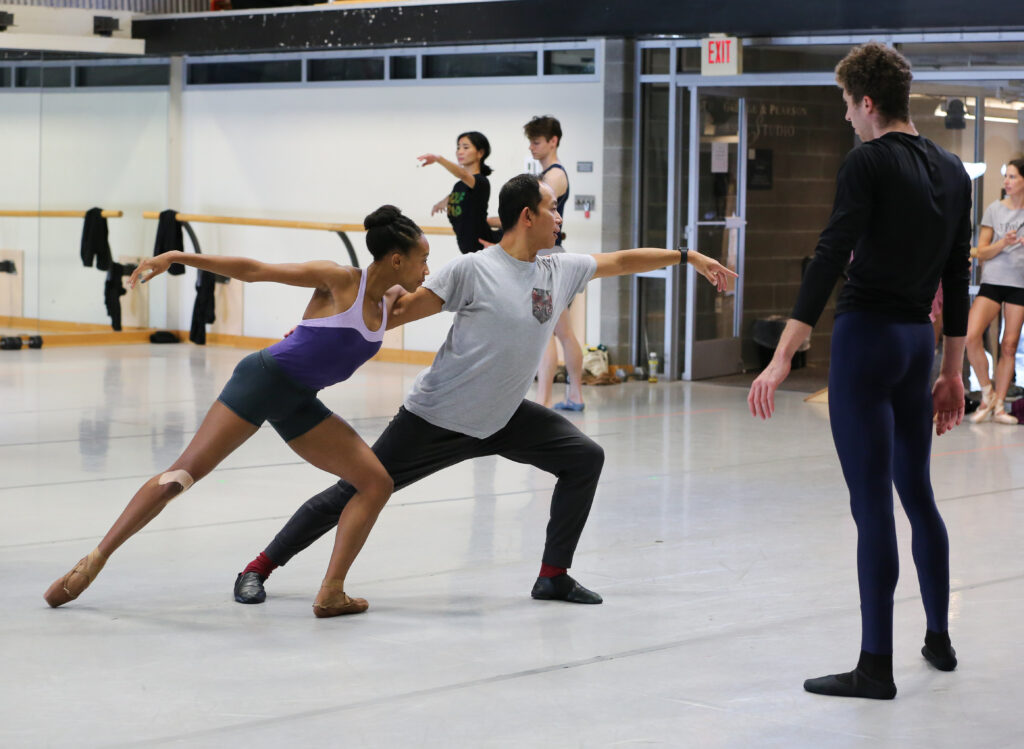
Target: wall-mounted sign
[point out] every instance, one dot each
(721, 55)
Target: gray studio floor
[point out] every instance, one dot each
(722, 545)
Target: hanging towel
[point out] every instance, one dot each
(203, 309)
(168, 237)
(94, 240)
(113, 290)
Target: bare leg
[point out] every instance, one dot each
(573, 355)
(220, 434)
(546, 374)
(983, 312)
(1013, 318)
(334, 446)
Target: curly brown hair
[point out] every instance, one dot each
(880, 72)
(546, 127)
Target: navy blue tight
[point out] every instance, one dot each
(880, 405)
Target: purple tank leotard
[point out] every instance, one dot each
(326, 350)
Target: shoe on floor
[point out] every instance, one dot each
(249, 588)
(74, 583)
(568, 405)
(855, 683)
(332, 600)
(1000, 416)
(563, 588)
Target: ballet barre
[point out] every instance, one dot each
(57, 214)
(340, 229)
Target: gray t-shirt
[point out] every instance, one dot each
(1006, 268)
(505, 312)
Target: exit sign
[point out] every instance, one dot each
(721, 55)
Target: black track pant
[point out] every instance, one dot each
(411, 448)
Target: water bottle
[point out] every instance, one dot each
(652, 366)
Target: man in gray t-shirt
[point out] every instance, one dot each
(505, 312)
(471, 401)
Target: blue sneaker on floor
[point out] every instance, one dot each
(568, 405)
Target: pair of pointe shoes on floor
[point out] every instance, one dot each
(991, 408)
(330, 601)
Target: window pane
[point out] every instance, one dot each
(123, 75)
(479, 65)
(403, 67)
(347, 69)
(688, 59)
(5, 77)
(270, 71)
(569, 62)
(655, 61)
(43, 77)
(654, 165)
(810, 58)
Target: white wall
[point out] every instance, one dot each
(19, 187)
(336, 153)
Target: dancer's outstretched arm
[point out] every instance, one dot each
(457, 170)
(317, 274)
(626, 262)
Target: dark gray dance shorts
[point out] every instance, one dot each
(259, 390)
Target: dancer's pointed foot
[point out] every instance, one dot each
(71, 586)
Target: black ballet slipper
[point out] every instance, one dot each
(854, 683)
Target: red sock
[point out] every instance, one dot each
(546, 570)
(261, 565)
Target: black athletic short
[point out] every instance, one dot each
(1008, 294)
(259, 390)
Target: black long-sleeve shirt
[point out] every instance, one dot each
(903, 207)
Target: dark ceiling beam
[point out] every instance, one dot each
(528, 20)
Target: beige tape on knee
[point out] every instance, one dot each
(177, 477)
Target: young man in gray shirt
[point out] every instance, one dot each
(470, 402)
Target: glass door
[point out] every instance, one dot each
(715, 226)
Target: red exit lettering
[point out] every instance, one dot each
(719, 51)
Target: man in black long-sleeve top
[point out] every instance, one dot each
(903, 208)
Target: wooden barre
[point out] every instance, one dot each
(281, 223)
(57, 214)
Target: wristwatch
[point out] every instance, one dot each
(683, 255)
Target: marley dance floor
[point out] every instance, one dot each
(722, 545)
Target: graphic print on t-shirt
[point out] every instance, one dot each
(542, 305)
(454, 204)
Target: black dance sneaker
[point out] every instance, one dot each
(249, 588)
(563, 588)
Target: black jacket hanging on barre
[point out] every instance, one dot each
(94, 240)
(203, 309)
(168, 237)
(113, 290)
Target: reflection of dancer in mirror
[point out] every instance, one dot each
(466, 204)
(545, 135)
(470, 402)
(343, 327)
(903, 205)
(1002, 286)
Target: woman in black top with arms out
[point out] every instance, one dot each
(466, 205)
(903, 206)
